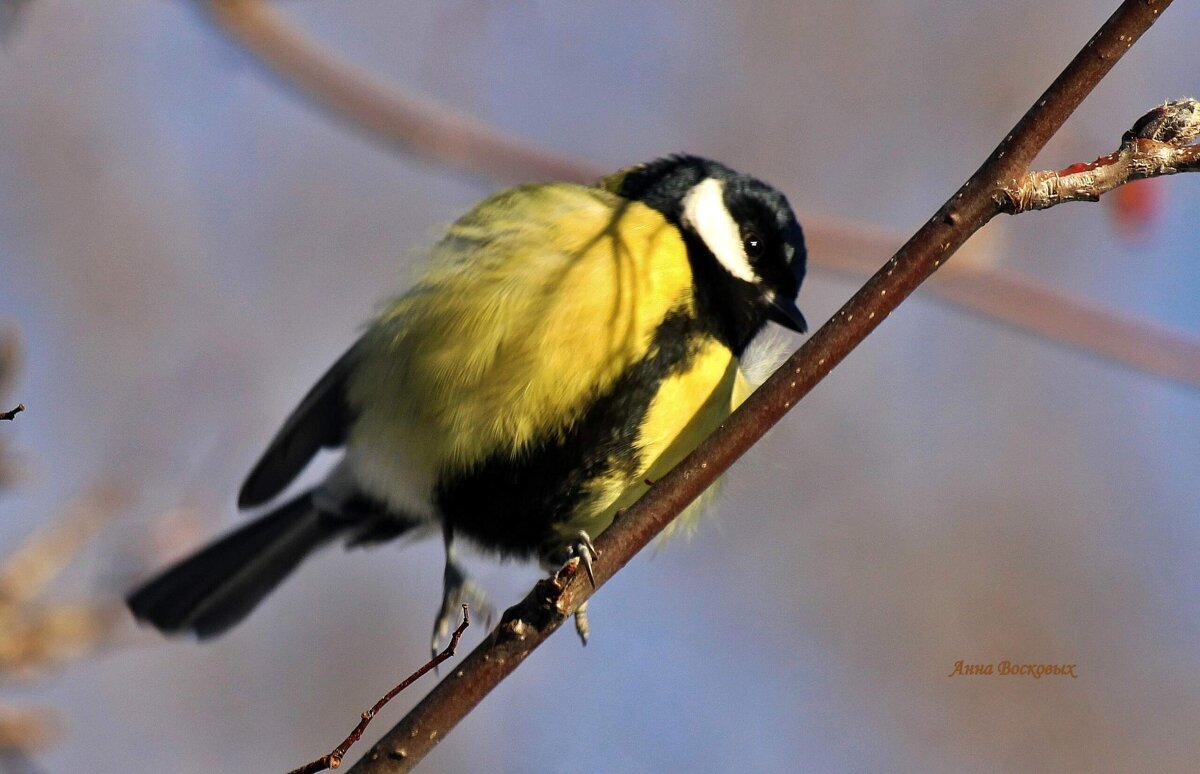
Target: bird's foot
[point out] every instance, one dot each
(558, 560)
(458, 590)
(586, 552)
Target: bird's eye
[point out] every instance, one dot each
(753, 245)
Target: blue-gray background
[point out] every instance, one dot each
(185, 245)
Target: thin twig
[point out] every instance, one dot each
(334, 759)
(9, 415)
(1158, 144)
(527, 625)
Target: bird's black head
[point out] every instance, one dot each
(744, 243)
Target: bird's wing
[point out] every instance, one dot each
(320, 421)
(537, 301)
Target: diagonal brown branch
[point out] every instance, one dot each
(12, 413)
(541, 613)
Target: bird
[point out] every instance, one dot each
(566, 345)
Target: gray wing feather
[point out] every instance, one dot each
(320, 421)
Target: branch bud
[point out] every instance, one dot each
(1174, 123)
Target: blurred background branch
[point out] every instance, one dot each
(11, 12)
(40, 635)
(423, 128)
(405, 121)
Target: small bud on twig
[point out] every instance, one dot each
(1174, 123)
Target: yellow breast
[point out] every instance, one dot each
(538, 299)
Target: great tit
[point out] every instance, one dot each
(568, 345)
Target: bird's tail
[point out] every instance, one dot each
(217, 587)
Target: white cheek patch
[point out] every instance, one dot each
(704, 210)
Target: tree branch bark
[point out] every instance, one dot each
(1156, 145)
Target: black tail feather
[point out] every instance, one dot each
(217, 587)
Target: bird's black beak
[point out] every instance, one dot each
(784, 312)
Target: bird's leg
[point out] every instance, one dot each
(457, 590)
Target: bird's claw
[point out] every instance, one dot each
(587, 553)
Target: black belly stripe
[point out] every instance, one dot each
(510, 503)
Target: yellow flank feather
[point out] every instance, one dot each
(729, 392)
(688, 407)
(537, 300)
